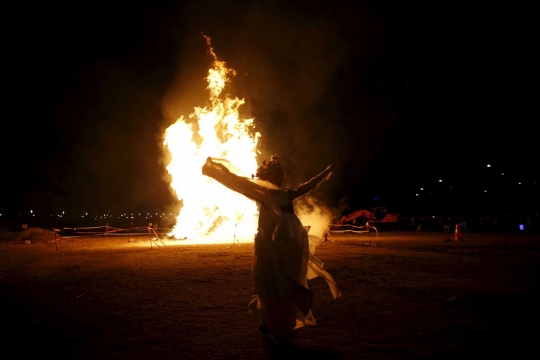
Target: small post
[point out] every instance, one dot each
(235, 240)
(55, 242)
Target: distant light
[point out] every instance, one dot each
(450, 186)
(519, 183)
(485, 190)
(502, 174)
(421, 188)
(488, 165)
(521, 227)
(440, 180)
(416, 194)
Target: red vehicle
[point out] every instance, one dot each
(376, 217)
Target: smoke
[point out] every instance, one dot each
(316, 214)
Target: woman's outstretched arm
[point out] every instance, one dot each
(242, 185)
(314, 183)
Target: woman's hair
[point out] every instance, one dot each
(271, 171)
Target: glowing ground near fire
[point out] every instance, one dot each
(406, 295)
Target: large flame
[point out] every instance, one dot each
(211, 213)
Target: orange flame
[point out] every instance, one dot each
(210, 212)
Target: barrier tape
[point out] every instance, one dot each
(78, 232)
(351, 228)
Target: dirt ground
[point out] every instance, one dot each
(406, 295)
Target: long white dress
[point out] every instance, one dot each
(284, 253)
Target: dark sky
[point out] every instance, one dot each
(398, 96)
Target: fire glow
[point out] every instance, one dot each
(210, 213)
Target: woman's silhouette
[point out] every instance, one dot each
(283, 261)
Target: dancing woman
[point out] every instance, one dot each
(283, 261)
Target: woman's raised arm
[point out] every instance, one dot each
(314, 183)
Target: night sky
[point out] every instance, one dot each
(397, 96)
